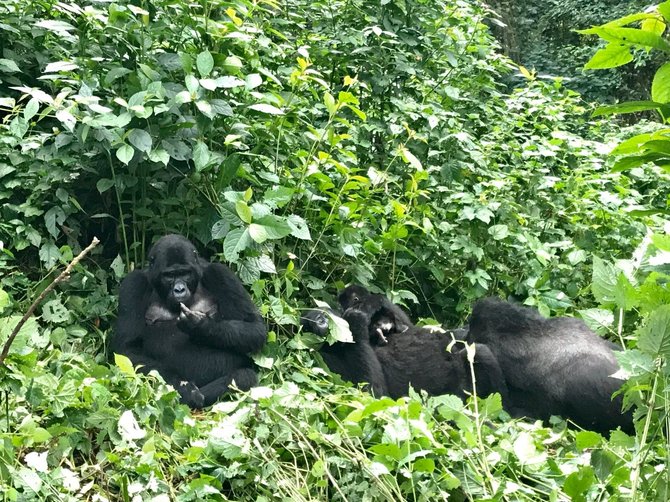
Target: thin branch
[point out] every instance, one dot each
(64, 276)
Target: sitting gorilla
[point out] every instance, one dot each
(420, 358)
(190, 320)
(356, 361)
(551, 366)
(385, 321)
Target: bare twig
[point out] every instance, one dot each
(64, 276)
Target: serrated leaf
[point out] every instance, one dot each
(236, 241)
(660, 86)
(220, 229)
(204, 62)
(125, 154)
(299, 228)
(265, 108)
(579, 482)
(598, 320)
(655, 334)
(604, 281)
(140, 139)
(498, 232)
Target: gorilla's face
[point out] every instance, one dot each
(315, 321)
(174, 271)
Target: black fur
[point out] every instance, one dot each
(419, 357)
(552, 366)
(355, 362)
(190, 320)
(387, 317)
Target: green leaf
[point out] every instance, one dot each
(598, 320)
(204, 62)
(630, 37)
(579, 482)
(587, 439)
(31, 109)
(265, 108)
(628, 107)
(660, 86)
(655, 334)
(104, 184)
(8, 66)
(4, 299)
(236, 241)
(201, 156)
(664, 9)
(604, 281)
(611, 56)
(243, 211)
(498, 232)
(269, 227)
(299, 228)
(410, 159)
(125, 154)
(140, 139)
(228, 170)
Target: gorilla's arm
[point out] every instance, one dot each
(134, 294)
(237, 325)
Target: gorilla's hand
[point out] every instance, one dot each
(190, 319)
(190, 394)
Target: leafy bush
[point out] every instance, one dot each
(308, 144)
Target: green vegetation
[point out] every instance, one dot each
(309, 144)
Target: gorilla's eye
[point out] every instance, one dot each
(355, 298)
(321, 320)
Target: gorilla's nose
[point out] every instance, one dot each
(179, 289)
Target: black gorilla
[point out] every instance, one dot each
(551, 366)
(385, 321)
(419, 357)
(356, 361)
(190, 320)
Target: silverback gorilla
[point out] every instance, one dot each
(552, 366)
(190, 320)
(355, 362)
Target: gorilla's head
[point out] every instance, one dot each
(174, 270)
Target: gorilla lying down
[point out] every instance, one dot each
(356, 361)
(420, 356)
(402, 357)
(554, 366)
(190, 320)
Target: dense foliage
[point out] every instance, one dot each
(541, 34)
(308, 144)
